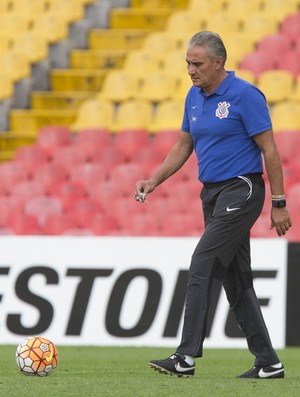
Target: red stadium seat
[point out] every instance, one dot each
(163, 141)
(257, 62)
(9, 205)
(143, 225)
(68, 192)
(42, 207)
(50, 174)
(131, 141)
(290, 27)
(23, 224)
(93, 142)
(31, 155)
(83, 210)
(126, 176)
(182, 225)
(275, 45)
(290, 62)
(103, 224)
(89, 175)
(68, 157)
(12, 173)
(58, 224)
(109, 157)
(288, 143)
(25, 190)
(50, 137)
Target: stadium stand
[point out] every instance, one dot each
(82, 119)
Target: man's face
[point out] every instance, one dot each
(203, 69)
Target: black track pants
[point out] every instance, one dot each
(223, 252)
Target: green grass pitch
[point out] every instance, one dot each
(122, 371)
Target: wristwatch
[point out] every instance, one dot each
(279, 203)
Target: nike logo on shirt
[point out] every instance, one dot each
(228, 209)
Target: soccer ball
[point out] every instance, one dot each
(36, 356)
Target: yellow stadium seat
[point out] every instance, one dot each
(94, 114)
(7, 88)
(259, 25)
(184, 85)
(223, 23)
(296, 90)
(246, 75)
(5, 44)
(168, 116)
(143, 62)
(139, 18)
(279, 9)
(175, 63)
(277, 85)
(163, 41)
(157, 86)
(15, 65)
(242, 7)
(184, 21)
(51, 28)
(69, 11)
(14, 25)
(5, 6)
(159, 3)
(119, 85)
(286, 116)
(97, 59)
(77, 79)
(207, 7)
(132, 114)
(238, 45)
(116, 39)
(29, 7)
(31, 121)
(32, 46)
(58, 100)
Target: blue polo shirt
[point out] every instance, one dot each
(222, 126)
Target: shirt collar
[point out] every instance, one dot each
(223, 86)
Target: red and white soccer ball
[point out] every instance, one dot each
(37, 356)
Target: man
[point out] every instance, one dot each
(226, 121)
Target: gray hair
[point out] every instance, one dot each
(212, 41)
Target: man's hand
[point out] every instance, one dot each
(280, 220)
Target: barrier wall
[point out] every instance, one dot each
(129, 291)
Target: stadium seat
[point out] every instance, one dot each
(12, 173)
(184, 21)
(275, 45)
(23, 224)
(32, 8)
(161, 41)
(52, 136)
(82, 210)
(277, 85)
(51, 28)
(68, 192)
(15, 65)
(208, 7)
(163, 141)
(119, 85)
(168, 116)
(70, 12)
(279, 9)
(103, 224)
(101, 59)
(259, 25)
(182, 88)
(125, 177)
(31, 156)
(58, 100)
(148, 158)
(159, 3)
(49, 174)
(290, 26)
(290, 62)
(94, 113)
(157, 87)
(182, 225)
(295, 95)
(89, 174)
(286, 116)
(223, 22)
(132, 114)
(5, 44)
(42, 207)
(68, 157)
(9, 205)
(237, 46)
(246, 75)
(33, 46)
(142, 62)
(116, 39)
(106, 192)
(58, 224)
(77, 79)
(288, 143)
(142, 224)
(174, 63)
(25, 190)
(257, 62)
(93, 142)
(14, 25)
(130, 142)
(242, 7)
(139, 18)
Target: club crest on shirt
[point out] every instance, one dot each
(222, 110)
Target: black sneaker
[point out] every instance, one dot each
(174, 365)
(268, 372)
